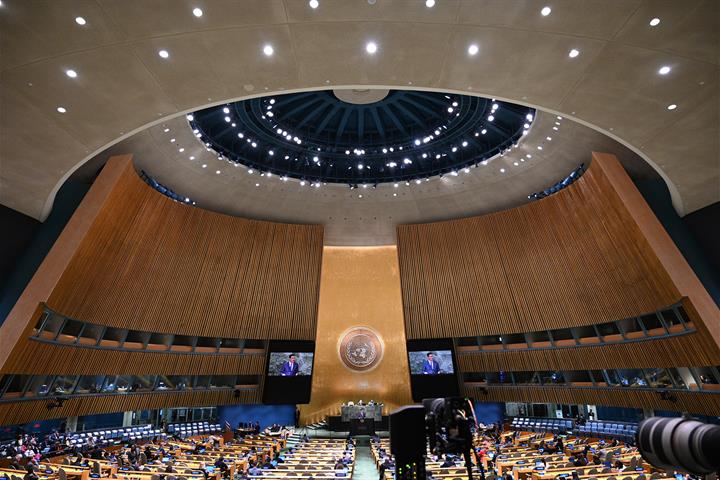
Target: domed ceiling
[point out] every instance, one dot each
(361, 137)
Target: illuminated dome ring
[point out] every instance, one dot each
(318, 137)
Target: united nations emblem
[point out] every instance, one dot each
(360, 349)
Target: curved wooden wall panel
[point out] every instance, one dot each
(693, 402)
(42, 358)
(575, 258)
(31, 410)
(150, 263)
(689, 350)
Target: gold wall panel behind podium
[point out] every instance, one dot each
(359, 286)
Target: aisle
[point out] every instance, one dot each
(364, 464)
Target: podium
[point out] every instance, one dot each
(362, 426)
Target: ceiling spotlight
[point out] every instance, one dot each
(483, 131)
(528, 155)
(395, 185)
(491, 118)
(204, 165)
(268, 50)
(574, 53)
(360, 166)
(166, 130)
(217, 172)
(371, 47)
(429, 3)
(655, 22)
(61, 109)
(545, 11)
(418, 141)
(73, 74)
(251, 171)
(529, 117)
(226, 110)
(163, 53)
(81, 21)
(473, 49)
(314, 4)
(181, 150)
(539, 147)
(197, 12)
(190, 117)
(664, 70)
(192, 157)
(450, 109)
(502, 170)
(672, 106)
(548, 138)
(465, 144)
(418, 181)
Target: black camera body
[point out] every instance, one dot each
(448, 423)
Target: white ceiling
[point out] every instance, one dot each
(123, 86)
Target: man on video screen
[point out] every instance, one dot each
(430, 366)
(290, 368)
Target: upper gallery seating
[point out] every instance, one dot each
(624, 431)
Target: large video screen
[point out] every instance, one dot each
(290, 364)
(431, 362)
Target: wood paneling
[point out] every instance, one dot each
(149, 263)
(43, 358)
(686, 351)
(28, 411)
(574, 258)
(693, 402)
(360, 287)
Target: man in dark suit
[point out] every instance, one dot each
(290, 368)
(430, 366)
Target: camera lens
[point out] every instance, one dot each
(678, 443)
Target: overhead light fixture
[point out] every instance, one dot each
(71, 73)
(429, 3)
(655, 22)
(217, 172)
(672, 106)
(204, 165)
(192, 157)
(664, 70)
(197, 12)
(163, 53)
(190, 117)
(268, 50)
(545, 11)
(573, 53)
(502, 170)
(371, 47)
(80, 20)
(473, 49)
(61, 109)
(314, 4)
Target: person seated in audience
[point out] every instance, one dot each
(619, 466)
(170, 469)
(254, 470)
(347, 458)
(449, 462)
(15, 464)
(268, 465)
(575, 475)
(580, 460)
(596, 460)
(30, 473)
(540, 463)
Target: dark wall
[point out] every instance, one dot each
(19, 231)
(29, 241)
(696, 238)
(705, 227)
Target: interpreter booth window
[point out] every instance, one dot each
(64, 384)
(13, 386)
(90, 384)
(39, 386)
(70, 331)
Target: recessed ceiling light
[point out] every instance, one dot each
(429, 3)
(61, 109)
(473, 49)
(80, 20)
(664, 70)
(204, 165)
(192, 157)
(502, 170)
(181, 150)
(655, 22)
(197, 12)
(166, 130)
(163, 53)
(573, 53)
(548, 138)
(268, 50)
(539, 147)
(71, 73)
(545, 11)
(257, 184)
(217, 172)
(314, 4)
(672, 106)
(371, 47)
